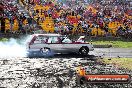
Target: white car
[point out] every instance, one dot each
(46, 43)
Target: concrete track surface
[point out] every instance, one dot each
(112, 52)
(57, 72)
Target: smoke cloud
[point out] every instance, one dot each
(13, 48)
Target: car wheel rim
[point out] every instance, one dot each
(44, 51)
(84, 51)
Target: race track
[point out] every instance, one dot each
(112, 52)
(58, 71)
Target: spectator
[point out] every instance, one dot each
(74, 16)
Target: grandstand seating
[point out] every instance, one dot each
(47, 23)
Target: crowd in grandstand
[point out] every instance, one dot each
(94, 17)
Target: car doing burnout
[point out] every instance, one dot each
(46, 44)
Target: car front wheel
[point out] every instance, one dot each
(84, 50)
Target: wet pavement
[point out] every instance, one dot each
(56, 72)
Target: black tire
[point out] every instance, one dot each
(84, 50)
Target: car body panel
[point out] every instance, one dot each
(54, 42)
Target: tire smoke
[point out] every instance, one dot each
(13, 48)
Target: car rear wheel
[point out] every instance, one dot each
(45, 51)
(84, 50)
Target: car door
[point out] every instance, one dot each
(54, 44)
(39, 42)
(69, 46)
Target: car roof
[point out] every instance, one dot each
(47, 34)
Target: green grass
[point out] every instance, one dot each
(120, 62)
(3, 39)
(116, 44)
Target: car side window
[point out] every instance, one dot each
(49, 40)
(53, 40)
(37, 40)
(66, 40)
(41, 39)
(44, 40)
